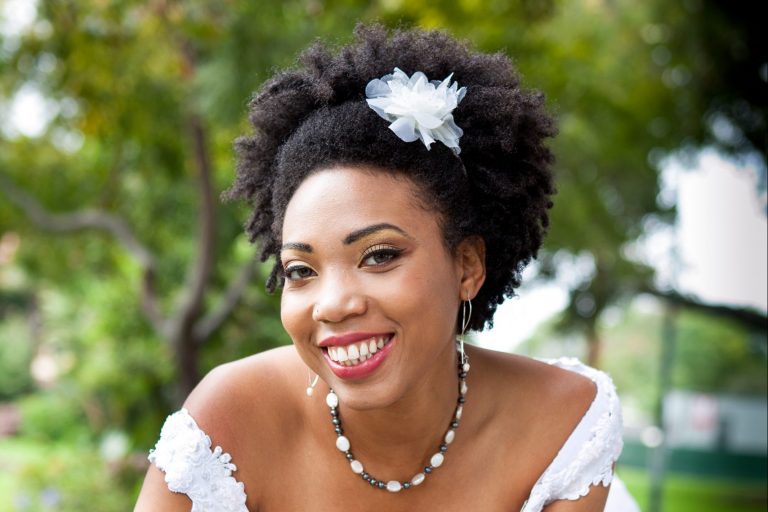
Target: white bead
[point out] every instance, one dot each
(437, 460)
(463, 388)
(459, 412)
(394, 486)
(465, 367)
(332, 400)
(342, 443)
(449, 436)
(357, 466)
(417, 479)
(309, 391)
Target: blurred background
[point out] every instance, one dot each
(124, 279)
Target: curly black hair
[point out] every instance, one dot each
(315, 116)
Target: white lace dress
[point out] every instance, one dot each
(205, 475)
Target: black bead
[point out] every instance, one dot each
(373, 481)
(366, 476)
(443, 448)
(463, 375)
(335, 421)
(407, 485)
(454, 424)
(381, 485)
(428, 469)
(461, 399)
(338, 430)
(334, 412)
(349, 456)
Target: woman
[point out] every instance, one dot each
(400, 213)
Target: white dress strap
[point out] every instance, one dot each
(184, 453)
(587, 457)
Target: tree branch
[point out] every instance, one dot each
(199, 273)
(99, 220)
(205, 328)
(748, 317)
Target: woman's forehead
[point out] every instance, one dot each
(343, 199)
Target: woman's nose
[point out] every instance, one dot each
(339, 299)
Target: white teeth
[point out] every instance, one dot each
(353, 354)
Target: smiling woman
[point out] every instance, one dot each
(400, 212)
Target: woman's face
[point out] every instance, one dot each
(371, 292)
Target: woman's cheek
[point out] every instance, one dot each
(291, 315)
(404, 291)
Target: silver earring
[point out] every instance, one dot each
(312, 382)
(466, 315)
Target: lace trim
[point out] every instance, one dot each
(593, 464)
(184, 453)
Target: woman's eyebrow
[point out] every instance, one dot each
(360, 233)
(296, 246)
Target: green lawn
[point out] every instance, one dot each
(698, 494)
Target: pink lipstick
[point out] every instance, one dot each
(360, 369)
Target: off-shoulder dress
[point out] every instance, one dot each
(205, 474)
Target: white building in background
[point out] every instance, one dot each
(716, 422)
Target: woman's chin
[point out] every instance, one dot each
(367, 398)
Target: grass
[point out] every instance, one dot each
(683, 493)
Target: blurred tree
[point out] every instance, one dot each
(144, 99)
(631, 83)
(147, 96)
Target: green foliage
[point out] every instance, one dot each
(711, 355)
(54, 416)
(15, 357)
(65, 478)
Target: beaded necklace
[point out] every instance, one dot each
(342, 443)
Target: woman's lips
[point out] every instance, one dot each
(361, 368)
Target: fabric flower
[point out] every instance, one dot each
(417, 108)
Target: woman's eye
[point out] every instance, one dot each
(380, 256)
(298, 272)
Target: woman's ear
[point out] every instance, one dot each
(470, 259)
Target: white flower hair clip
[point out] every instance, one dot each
(417, 108)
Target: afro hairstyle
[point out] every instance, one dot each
(315, 116)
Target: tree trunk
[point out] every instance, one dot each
(187, 370)
(594, 344)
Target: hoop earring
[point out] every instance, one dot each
(466, 315)
(312, 382)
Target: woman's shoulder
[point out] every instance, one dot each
(227, 427)
(258, 391)
(540, 388)
(565, 413)
(553, 396)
